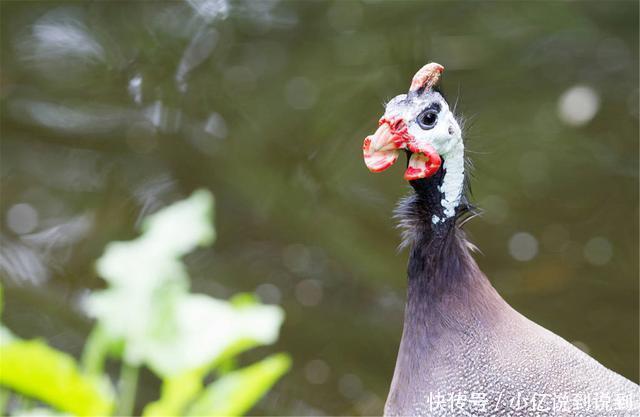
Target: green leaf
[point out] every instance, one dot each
(146, 275)
(205, 328)
(177, 392)
(182, 226)
(244, 299)
(236, 392)
(36, 370)
(172, 331)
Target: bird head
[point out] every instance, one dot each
(419, 122)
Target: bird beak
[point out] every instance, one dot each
(381, 150)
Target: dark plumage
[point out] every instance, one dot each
(461, 339)
(464, 350)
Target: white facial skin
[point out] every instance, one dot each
(446, 134)
(445, 137)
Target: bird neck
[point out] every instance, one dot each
(443, 277)
(450, 303)
(445, 285)
(443, 194)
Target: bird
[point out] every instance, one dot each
(464, 350)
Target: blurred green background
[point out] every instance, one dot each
(111, 110)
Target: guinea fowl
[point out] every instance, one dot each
(464, 350)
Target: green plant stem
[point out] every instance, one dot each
(95, 352)
(4, 399)
(127, 389)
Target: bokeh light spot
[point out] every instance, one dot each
(350, 386)
(578, 105)
(297, 258)
(309, 292)
(22, 218)
(317, 371)
(523, 246)
(598, 251)
(269, 293)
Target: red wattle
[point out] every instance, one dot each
(381, 150)
(423, 163)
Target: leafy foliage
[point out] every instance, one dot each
(235, 392)
(36, 370)
(147, 317)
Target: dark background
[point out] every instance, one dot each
(111, 110)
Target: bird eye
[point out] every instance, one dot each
(428, 119)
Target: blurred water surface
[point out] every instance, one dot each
(111, 110)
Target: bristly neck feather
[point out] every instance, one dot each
(440, 264)
(415, 213)
(449, 300)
